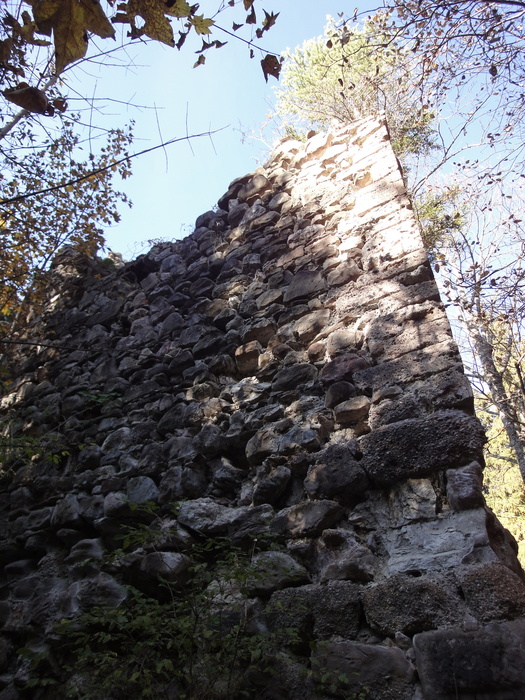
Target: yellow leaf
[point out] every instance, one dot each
(180, 8)
(70, 20)
(44, 12)
(156, 25)
(201, 25)
(96, 21)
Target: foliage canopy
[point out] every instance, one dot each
(34, 229)
(336, 77)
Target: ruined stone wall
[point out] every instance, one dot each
(285, 370)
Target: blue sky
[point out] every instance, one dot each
(167, 97)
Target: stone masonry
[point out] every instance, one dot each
(286, 370)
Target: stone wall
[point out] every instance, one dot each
(286, 374)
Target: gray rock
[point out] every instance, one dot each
(172, 322)
(271, 483)
(236, 214)
(407, 369)
(171, 566)
(263, 444)
(116, 504)
(253, 188)
(247, 524)
(305, 284)
(409, 605)
(261, 331)
(352, 411)
(35, 520)
(294, 376)
(209, 441)
(66, 512)
(338, 393)
(307, 327)
(307, 519)
(450, 541)
(89, 457)
(336, 473)
(421, 447)
(86, 549)
(393, 411)
(316, 612)
(342, 368)
(345, 272)
(359, 668)
(247, 357)
(299, 440)
(117, 440)
(464, 487)
(493, 592)
(142, 489)
(206, 516)
(272, 571)
(341, 557)
(226, 477)
(487, 664)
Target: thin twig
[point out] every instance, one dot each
(75, 181)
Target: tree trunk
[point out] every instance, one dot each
(494, 380)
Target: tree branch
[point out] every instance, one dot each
(75, 181)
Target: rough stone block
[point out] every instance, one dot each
(305, 284)
(336, 473)
(317, 612)
(307, 519)
(264, 443)
(293, 377)
(410, 605)
(352, 411)
(340, 556)
(343, 368)
(142, 489)
(169, 565)
(464, 487)
(420, 447)
(453, 540)
(310, 325)
(342, 339)
(338, 393)
(493, 592)
(359, 668)
(271, 571)
(345, 272)
(487, 664)
(406, 369)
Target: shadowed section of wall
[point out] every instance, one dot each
(285, 374)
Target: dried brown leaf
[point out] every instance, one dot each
(271, 65)
(30, 98)
(5, 49)
(59, 104)
(269, 20)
